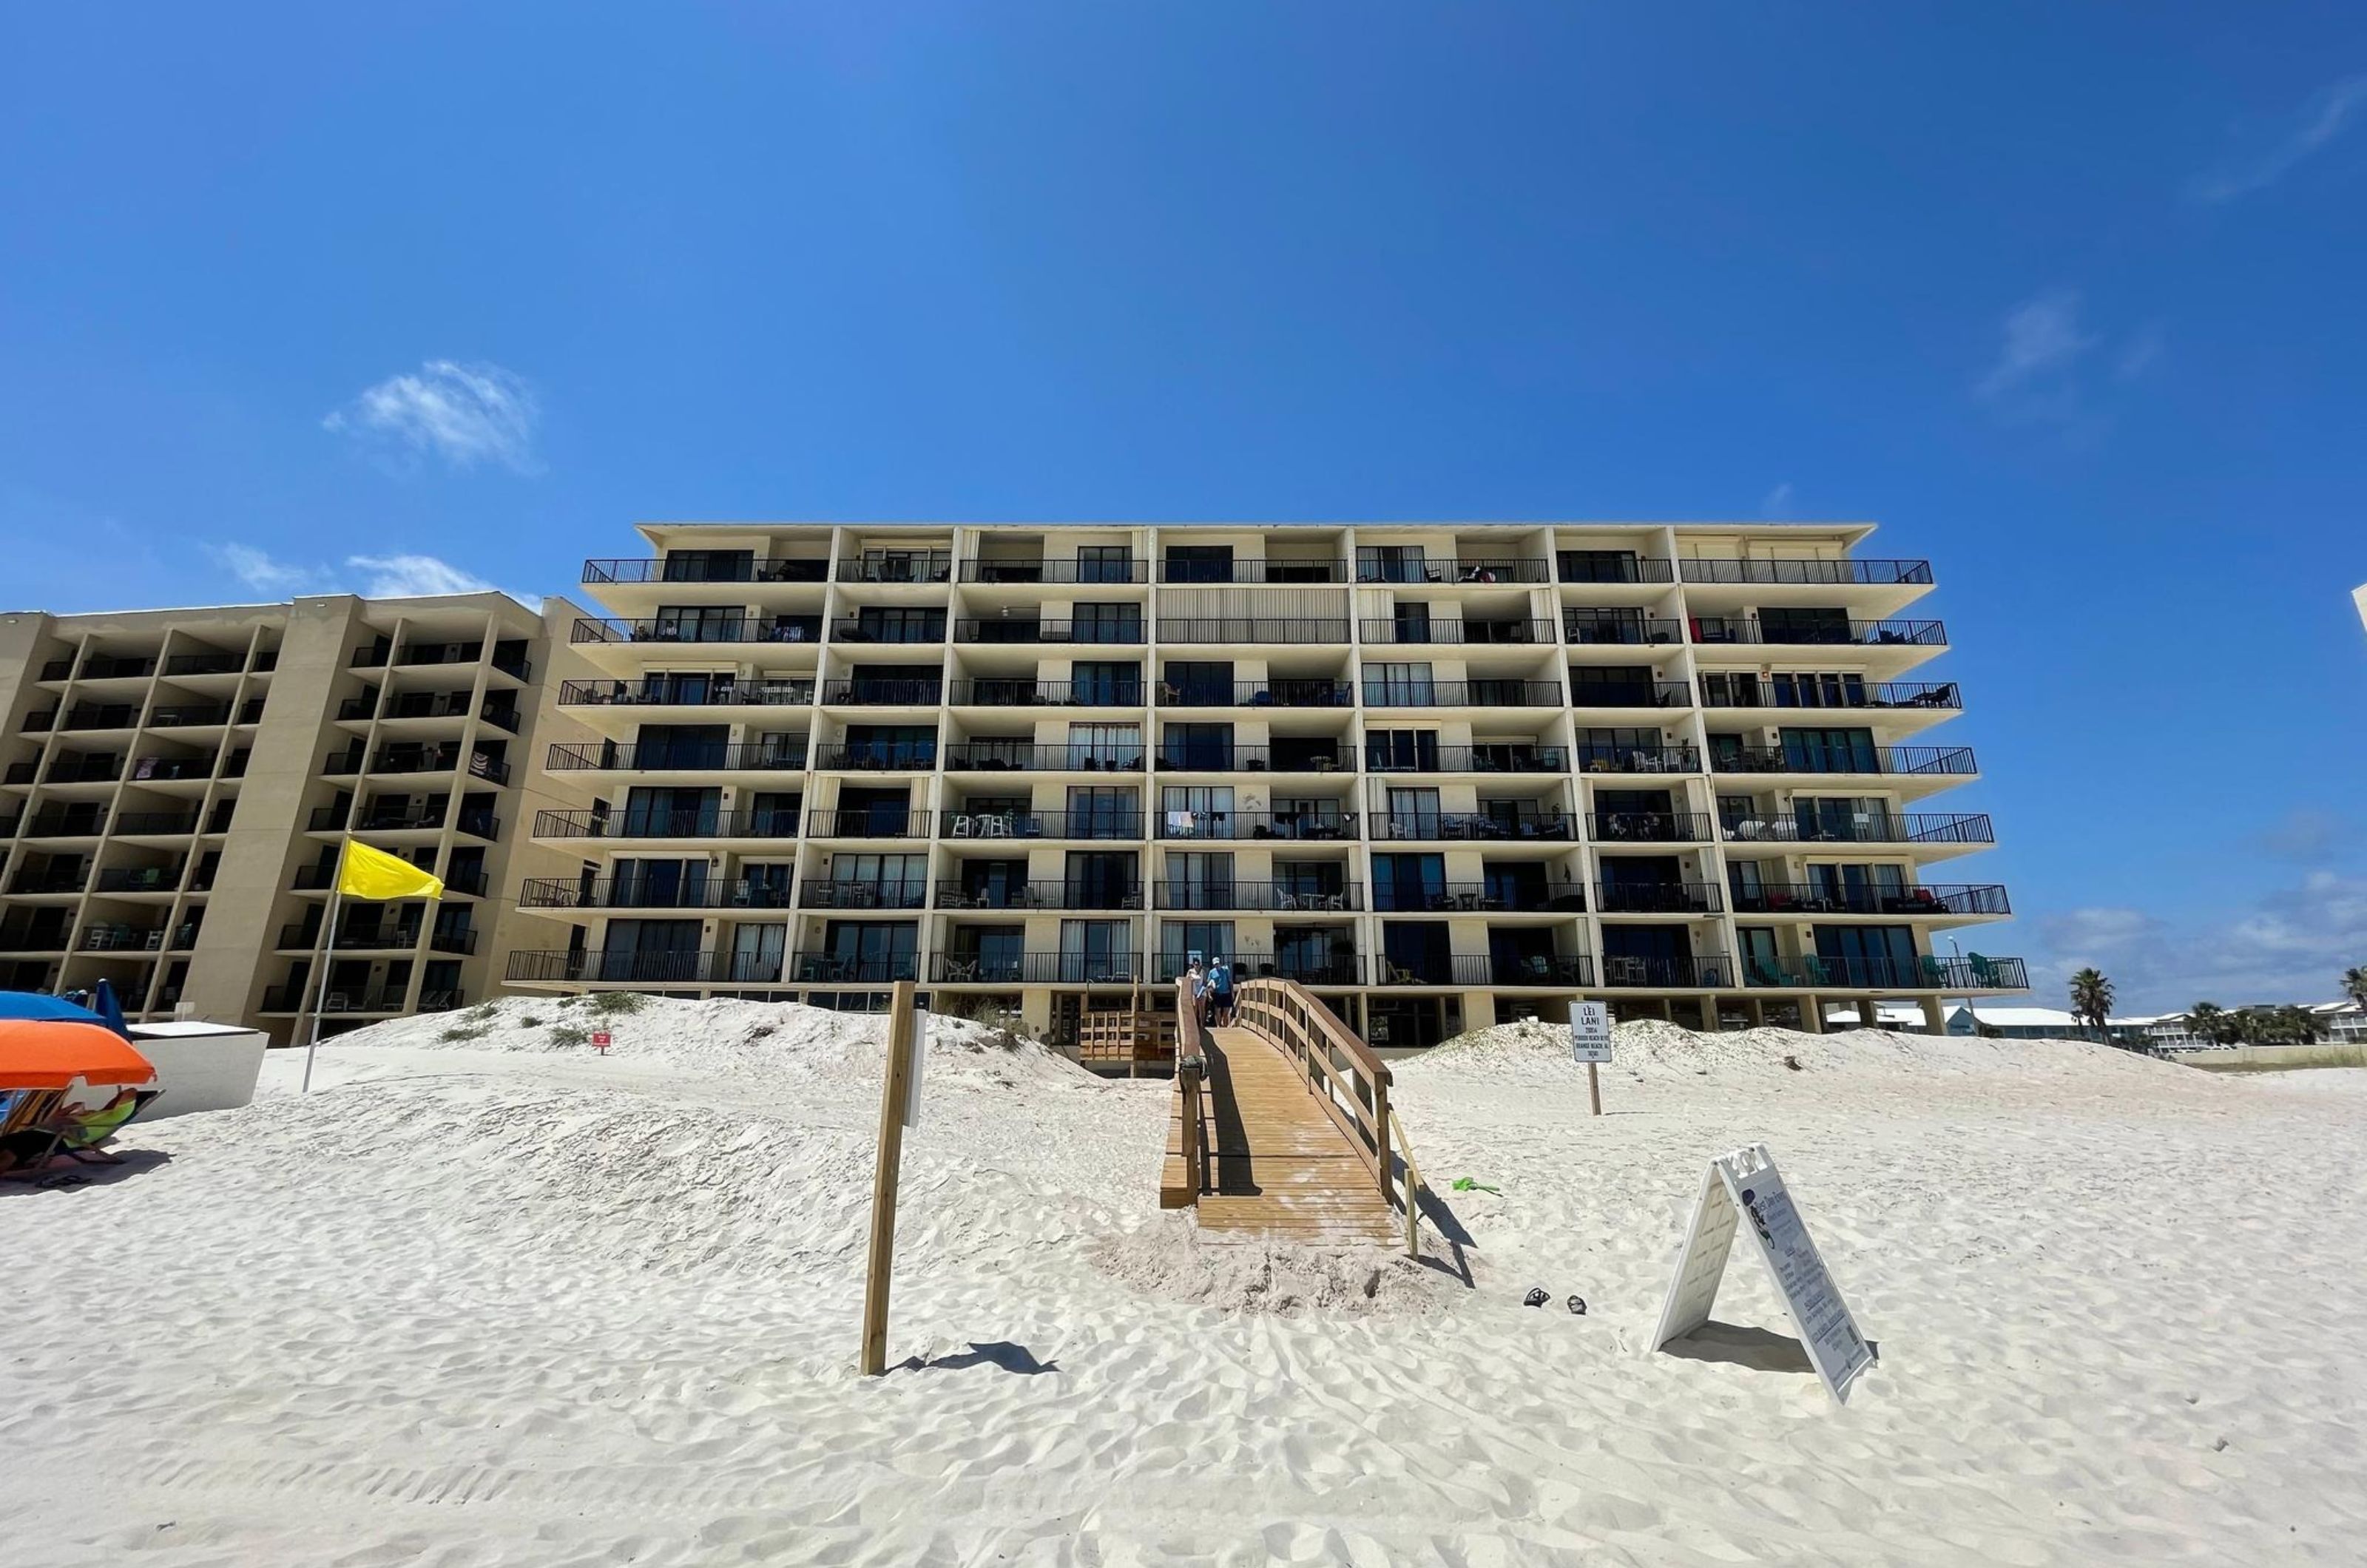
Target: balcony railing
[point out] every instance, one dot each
(472, 883)
(1610, 566)
(699, 568)
(641, 893)
(978, 823)
(1057, 569)
(1656, 897)
(1034, 969)
(670, 629)
(898, 566)
(876, 757)
(1466, 569)
(910, 893)
(872, 691)
(1805, 692)
(1342, 970)
(887, 629)
(1280, 898)
(1481, 969)
(1638, 759)
(1648, 827)
(1020, 692)
(1294, 826)
(205, 664)
(1819, 573)
(1629, 693)
(1710, 630)
(1700, 973)
(680, 756)
(1873, 828)
(653, 824)
(1466, 632)
(1010, 756)
(478, 765)
(1919, 974)
(127, 823)
(1076, 895)
(706, 693)
(1505, 757)
(353, 999)
(138, 879)
(1252, 571)
(1930, 900)
(100, 666)
(1040, 631)
(1205, 757)
(132, 939)
(870, 823)
(1381, 693)
(1483, 826)
(49, 881)
(1306, 691)
(1252, 629)
(1955, 760)
(1394, 898)
(56, 825)
(1577, 627)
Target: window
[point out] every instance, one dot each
(1390, 563)
(1105, 563)
(1106, 683)
(1208, 746)
(1197, 811)
(1413, 813)
(1830, 751)
(1105, 745)
(1818, 626)
(869, 950)
(757, 951)
(1093, 952)
(1198, 684)
(1402, 882)
(1596, 566)
(1199, 563)
(1410, 623)
(1181, 942)
(659, 883)
(1097, 812)
(1826, 689)
(660, 813)
(1199, 881)
(707, 566)
(696, 623)
(876, 622)
(1106, 623)
(1101, 879)
(1398, 684)
(893, 876)
(1402, 750)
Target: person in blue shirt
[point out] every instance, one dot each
(1221, 991)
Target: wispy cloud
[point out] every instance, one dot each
(465, 414)
(2311, 127)
(411, 577)
(2141, 353)
(2046, 367)
(2043, 342)
(2290, 946)
(1776, 504)
(374, 577)
(259, 571)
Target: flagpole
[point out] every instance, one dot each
(321, 981)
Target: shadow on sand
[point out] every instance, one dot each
(63, 1173)
(1760, 1350)
(1003, 1353)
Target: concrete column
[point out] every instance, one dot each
(1866, 1017)
(1709, 1024)
(1935, 1018)
(1812, 1015)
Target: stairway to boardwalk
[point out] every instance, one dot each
(1286, 1134)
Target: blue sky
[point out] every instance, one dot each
(2066, 297)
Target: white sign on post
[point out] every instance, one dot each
(1746, 1186)
(919, 1059)
(1590, 1031)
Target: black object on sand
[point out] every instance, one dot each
(1536, 1297)
(1578, 1307)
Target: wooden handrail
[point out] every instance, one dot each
(1191, 1066)
(1412, 1196)
(1343, 1074)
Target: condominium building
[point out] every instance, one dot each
(174, 785)
(1443, 775)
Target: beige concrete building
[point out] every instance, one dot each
(1445, 775)
(174, 785)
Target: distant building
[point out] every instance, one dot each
(2040, 1023)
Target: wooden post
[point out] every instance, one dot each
(1594, 1088)
(883, 1182)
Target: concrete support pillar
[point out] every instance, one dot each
(1709, 1024)
(1812, 1015)
(1866, 1017)
(1935, 1018)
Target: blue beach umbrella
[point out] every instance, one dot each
(32, 1004)
(110, 1011)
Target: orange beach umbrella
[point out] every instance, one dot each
(48, 1053)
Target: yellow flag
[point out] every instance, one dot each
(366, 873)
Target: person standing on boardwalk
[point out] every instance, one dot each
(1221, 990)
(1199, 985)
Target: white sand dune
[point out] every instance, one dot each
(498, 1301)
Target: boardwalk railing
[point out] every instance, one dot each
(1185, 1175)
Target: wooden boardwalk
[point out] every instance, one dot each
(1281, 1166)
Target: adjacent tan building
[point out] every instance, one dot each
(173, 785)
(1443, 774)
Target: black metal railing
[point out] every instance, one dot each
(1610, 566)
(643, 823)
(204, 664)
(1648, 827)
(1080, 894)
(1055, 568)
(1872, 828)
(1304, 692)
(1006, 756)
(1924, 972)
(1034, 969)
(353, 999)
(855, 893)
(1462, 568)
(1599, 758)
(706, 693)
(1710, 630)
(49, 882)
(125, 667)
(1015, 630)
(877, 756)
(1844, 760)
(1294, 826)
(1635, 898)
(1339, 970)
(1700, 972)
(1484, 759)
(1821, 573)
(1394, 898)
(875, 691)
(1252, 629)
(977, 822)
(1930, 898)
(898, 566)
(1205, 757)
(140, 879)
(1270, 571)
(1484, 826)
(1627, 631)
(1558, 969)
(1023, 692)
(924, 626)
(129, 823)
(64, 825)
(700, 568)
(1628, 693)
(699, 629)
(1808, 692)
(188, 715)
(643, 893)
(1466, 631)
(680, 756)
(1438, 969)
(1382, 692)
(441, 761)
(118, 937)
(1280, 898)
(472, 883)
(870, 823)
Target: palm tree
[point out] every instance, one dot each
(2092, 1000)
(2354, 984)
(2215, 1023)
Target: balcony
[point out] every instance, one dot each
(679, 756)
(138, 879)
(152, 823)
(1656, 897)
(442, 759)
(856, 894)
(697, 968)
(1307, 691)
(650, 824)
(1325, 757)
(49, 881)
(1905, 759)
(1930, 900)
(898, 566)
(1872, 828)
(1793, 692)
(1059, 569)
(699, 629)
(126, 667)
(472, 883)
(1711, 630)
(1035, 969)
(1505, 757)
(1629, 693)
(1339, 970)
(1278, 897)
(1040, 631)
(998, 824)
(1463, 569)
(1396, 694)
(1293, 827)
(1020, 756)
(1920, 973)
(876, 757)
(1579, 627)
(865, 822)
(708, 567)
(1466, 632)
(702, 691)
(996, 894)
(1392, 897)
(1195, 572)
(1491, 827)
(119, 938)
(1638, 759)
(355, 999)
(1019, 692)
(1648, 827)
(1253, 629)
(1820, 573)
(65, 825)
(1610, 566)
(890, 629)
(872, 692)
(1704, 973)
(642, 893)
(204, 664)
(170, 769)
(84, 769)
(1471, 969)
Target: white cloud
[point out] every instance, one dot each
(2317, 123)
(2290, 946)
(2043, 342)
(266, 575)
(410, 577)
(1776, 504)
(465, 414)
(379, 577)
(2137, 355)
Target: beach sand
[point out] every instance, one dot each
(499, 1301)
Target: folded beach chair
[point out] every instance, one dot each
(81, 1132)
